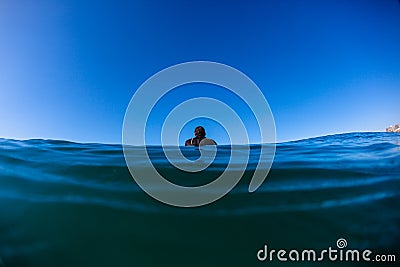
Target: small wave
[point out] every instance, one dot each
(238, 211)
(333, 203)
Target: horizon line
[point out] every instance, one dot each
(220, 144)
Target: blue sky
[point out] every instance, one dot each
(69, 68)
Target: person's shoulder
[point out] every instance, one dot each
(207, 141)
(188, 142)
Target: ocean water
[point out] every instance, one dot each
(71, 204)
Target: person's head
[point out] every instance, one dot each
(199, 131)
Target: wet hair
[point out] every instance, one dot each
(200, 131)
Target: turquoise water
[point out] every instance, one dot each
(71, 204)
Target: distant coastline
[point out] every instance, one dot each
(394, 129)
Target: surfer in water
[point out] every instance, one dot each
(199, 138)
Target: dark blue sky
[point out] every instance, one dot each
(69, 68)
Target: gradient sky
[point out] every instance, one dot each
(68, 69)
